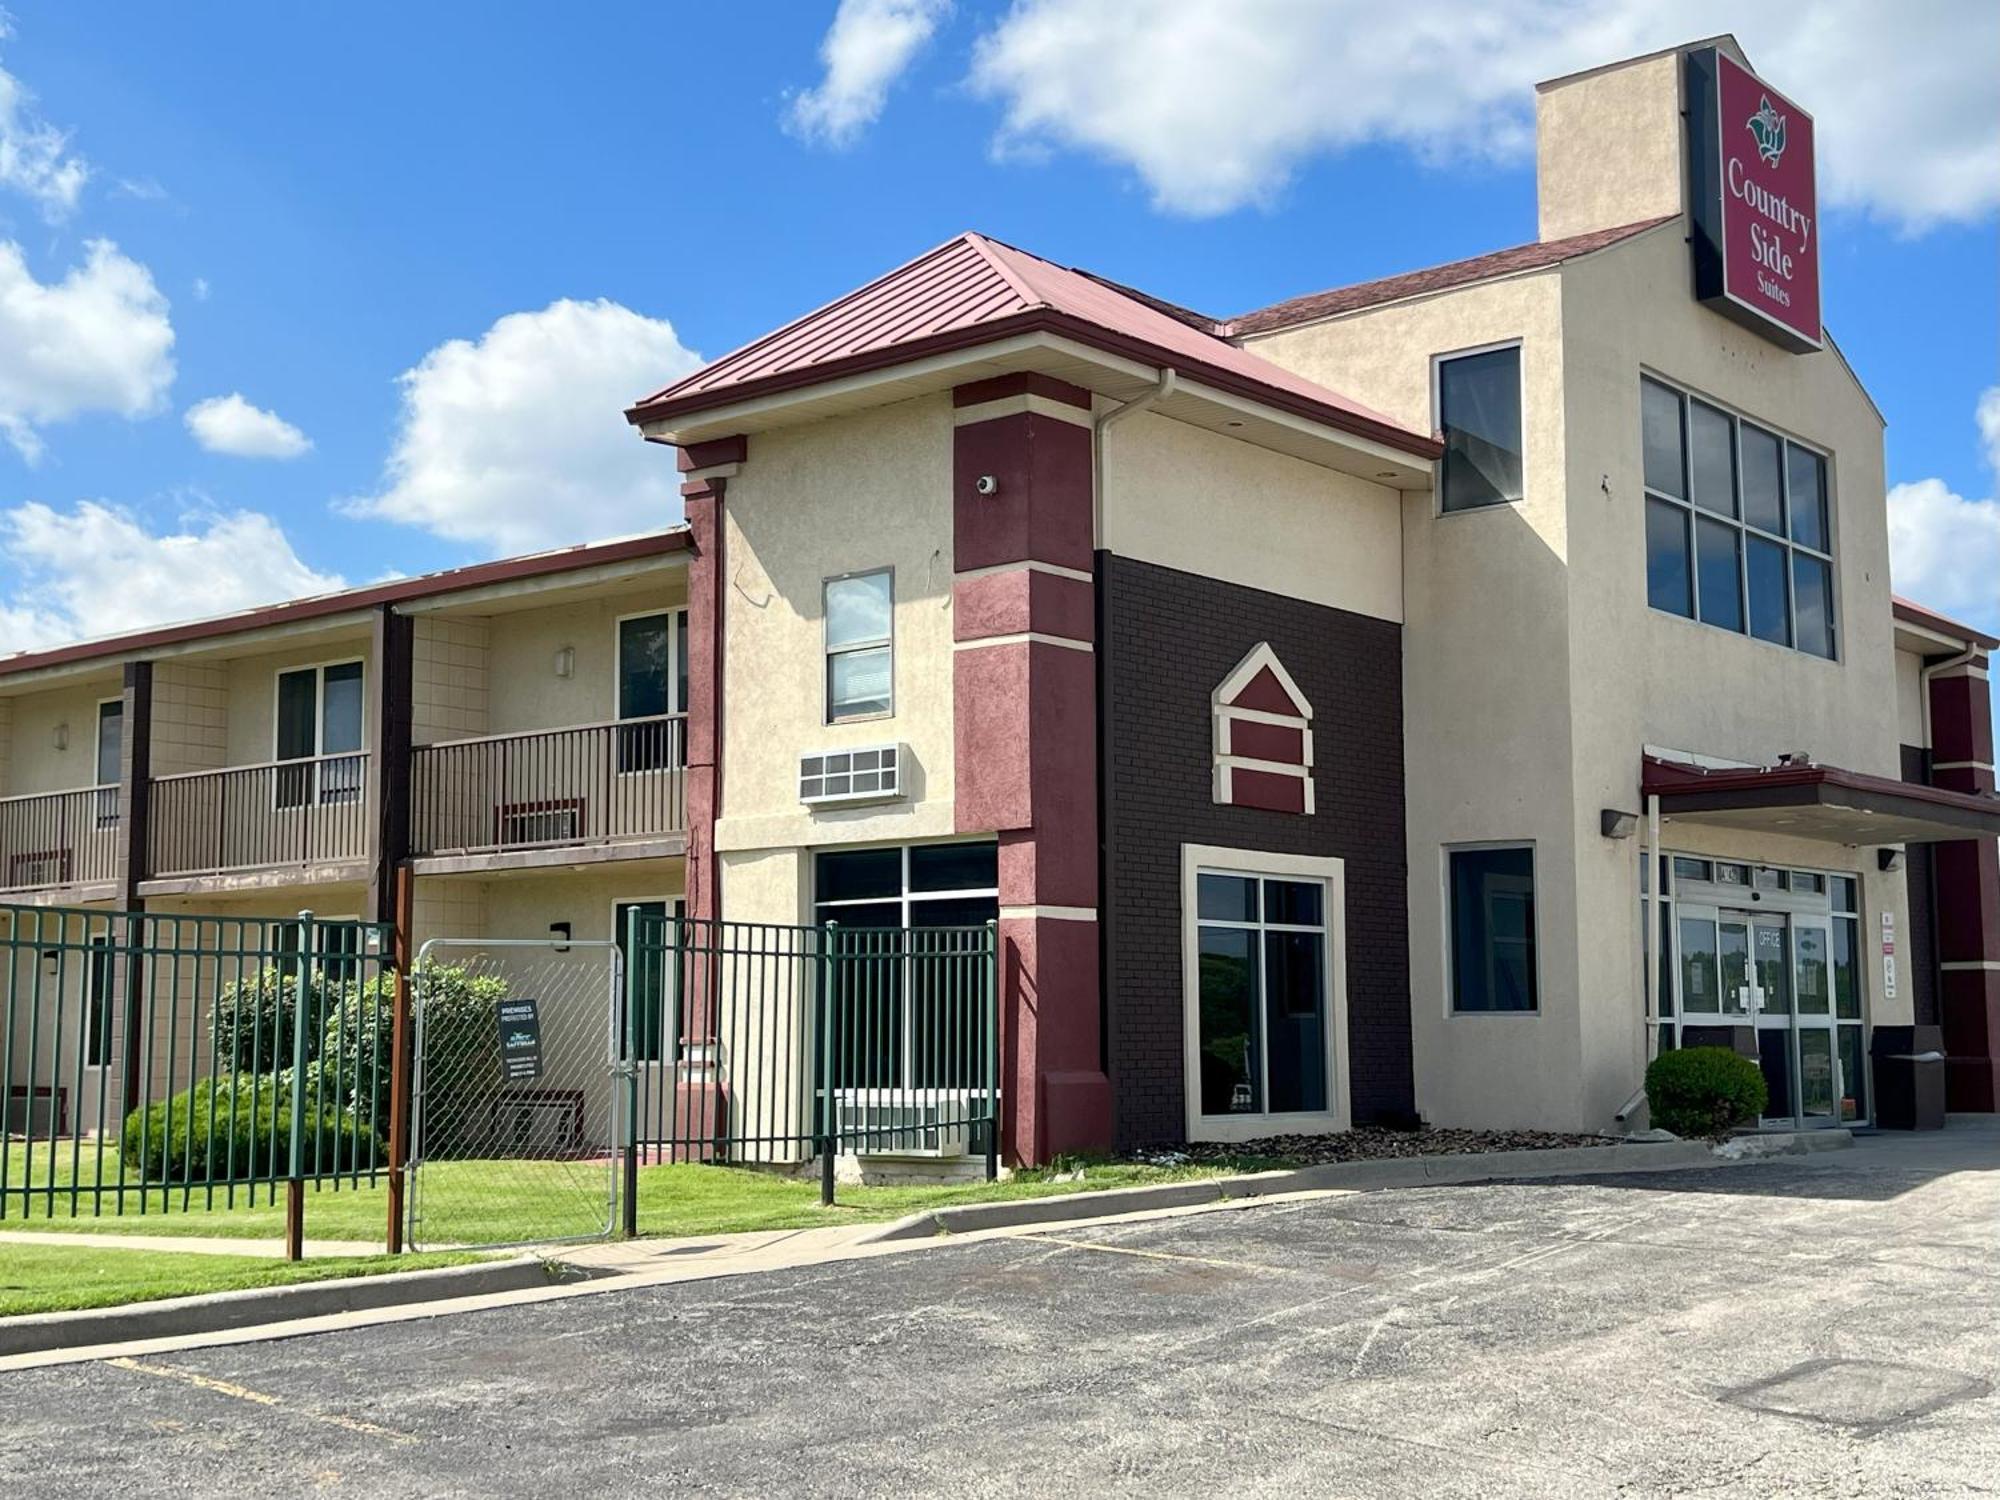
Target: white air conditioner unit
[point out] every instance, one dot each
(540, 822)
(539, 1125)
(876, 1122)
(868, 773)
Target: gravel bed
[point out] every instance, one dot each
(1363, 1143)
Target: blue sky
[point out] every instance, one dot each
(441, 244)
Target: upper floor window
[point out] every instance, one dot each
(860, 650)
(652, 684)
(110, 754)
(320, 716)
(1737, 531)
(1479, 412)
(1491, 891)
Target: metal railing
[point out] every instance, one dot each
(591, 784)
(287, 812)
(750, 1042)
(58, 839)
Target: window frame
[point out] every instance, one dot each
(673, 908)
(635, 747)
(105, 811)
(317, 794)
(905, 898)
(1438, 362)
(828, 650)
(1258, 864)
(1691, 514)
(1449, 927)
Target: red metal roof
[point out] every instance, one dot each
(1913, 613)
(1509, 262)
(972, 290)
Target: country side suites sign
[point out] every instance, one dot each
(1752, 201)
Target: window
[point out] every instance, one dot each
(860, 655)
(645, 983)
(110, 752)
(320, 722)
(1492, 894)
(97, 999)
(1479, 411)
(652, 684)
(1736, 524)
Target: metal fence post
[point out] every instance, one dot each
(399, 1064)
(295, 1183)
(829, 1117)
(623, 971)
(992, 997)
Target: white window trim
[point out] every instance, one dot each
(1445, 852)
(676, 628)
(320, 755)
(1332, 874)
(827, 650)
(674, 906)
(97, 742)
(1438, 361)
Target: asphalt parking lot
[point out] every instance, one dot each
(1817, 1326)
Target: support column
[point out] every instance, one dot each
(389, 757)
(135, 787)
(1968, 893)
(1024, 691)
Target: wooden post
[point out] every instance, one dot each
(295, 1219)
(401, 1062)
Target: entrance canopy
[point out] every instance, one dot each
(1817, 802)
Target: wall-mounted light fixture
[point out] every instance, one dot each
(51, 961)
(60, 736)
(1615, 824)
(559, 936)
(565, 660)
(1888, 861)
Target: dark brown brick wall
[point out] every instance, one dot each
(1165, 638)
(1917, 871)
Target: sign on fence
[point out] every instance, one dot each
(520, 1040)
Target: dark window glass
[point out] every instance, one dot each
(1721, 582)
(1668, 579)
(110, 741)
(1226, 898)
(680, 662)
(1479, 408)
(859, 874)
(1853, 1075)
(954, 867)
(342, 709)
(1294, 996)
(1806, 473)
(1661, 413)
(298, 734)
(1229, 1018)
(1763, 480)
(1294, 903)
(642, 666)
(1711, 459)
(1770, 604)
(1493, 929)
(955, 911)
(645, 982)
(1847, 968)
(1812, 586)
(97, 1018)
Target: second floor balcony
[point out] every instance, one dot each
(307, 812)
(59, 841)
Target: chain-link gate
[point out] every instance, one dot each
(518, 1114)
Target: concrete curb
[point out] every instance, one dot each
(176, 1316)
(1391, 1172)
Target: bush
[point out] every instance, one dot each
(461, 1040)
(188, 1137)
(252, 1019)
(1701, 1091)
(354, 1057)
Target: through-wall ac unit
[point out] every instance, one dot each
(867, 773)
(537, 1127)
(898, 1128)
(541, 823)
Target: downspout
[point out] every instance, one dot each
(1157, 394)
(1650, 919)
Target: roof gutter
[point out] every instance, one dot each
(1098, 427)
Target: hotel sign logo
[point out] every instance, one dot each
(1753, 202)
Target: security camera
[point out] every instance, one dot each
(986, 484)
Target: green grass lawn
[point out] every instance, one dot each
(57, 1278)
(488, 1201)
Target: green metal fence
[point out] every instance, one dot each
(760, 1044)
(156, 1062)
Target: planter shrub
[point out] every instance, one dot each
(252, 1018)
(461, 1042)
(189, 1137)
(1703, 1091)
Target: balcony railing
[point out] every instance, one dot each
(58, 839)
(283, 813)
(593, 784)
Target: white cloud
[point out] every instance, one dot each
(1944, 550)
(1214, 103)
(519, 441)
(35, 159)
(98, 340)
(865, 51)
(229, 424)
(98, 570)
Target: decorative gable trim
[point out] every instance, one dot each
(1262, 739)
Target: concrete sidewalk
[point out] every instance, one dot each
(191, 1244)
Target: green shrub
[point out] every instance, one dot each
(1701, 1091)
(461, 1042)
(253, 1014)
(224, 1131)
(352, 1068)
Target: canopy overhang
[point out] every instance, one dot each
(1810, 801)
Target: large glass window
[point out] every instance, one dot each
(320, 715)
(1493, 929)
(1736, 524)
(644, 1037)
(1262, 994)
(98, 995)
(860, 652)
(1479, 411)
(110, 753)
(652, 684)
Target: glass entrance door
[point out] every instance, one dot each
(1820, 1088)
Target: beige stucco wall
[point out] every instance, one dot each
(35, 764)
(1910, 698)
(1486, 686)
(522, 648)
(448, 678)
(840, 496)
(190, 716)
(1187, 498)
(1608, 147)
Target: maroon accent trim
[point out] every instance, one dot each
(1968, 901)
(1912, 613)
(1041, 511)
(402, 590)
(707, 594)
(1020, 601)
(1969, 1012)
(715, 451)
(1266, 789)
(1961, 718)
(1267, 695)
(1279, 742)
(1021, 383)
(1686, 788)
(1042, 320)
